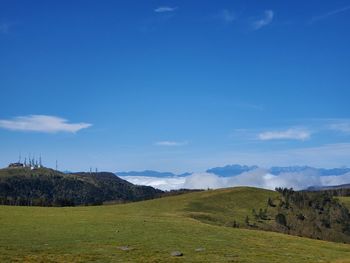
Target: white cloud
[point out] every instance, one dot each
(335, 180)
(163, 183)
(163, 9)
(42, 123)
(171, 143)
(329, 14)
(257, 178)
(226, 16)
(290, 134)
(267, 19)
(204, 181)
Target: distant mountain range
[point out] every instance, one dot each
(231, 170)
(151, 173)
(236, 169)
(333, 187)
(297, 169)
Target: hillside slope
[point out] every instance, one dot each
(47, 187)
(149, 231)
(316, 215)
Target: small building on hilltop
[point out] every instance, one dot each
(16, 165)
(31, 163)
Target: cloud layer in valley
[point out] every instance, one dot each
(42, 123)
(261, 178)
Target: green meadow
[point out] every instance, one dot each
(149, 231)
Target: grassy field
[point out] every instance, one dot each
(152, 230)
(345, 201)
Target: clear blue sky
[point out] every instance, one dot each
(175, 85)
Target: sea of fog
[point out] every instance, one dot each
(261, 178)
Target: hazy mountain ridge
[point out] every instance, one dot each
(332, 187)
(231, 170)
(321, 171)
(151, 173)
(236, 169)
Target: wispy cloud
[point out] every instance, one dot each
(42, 123)
(163, 9)
(226, 16)
(341, 126)
(329, 14)
(265, 20)
(171, 143)
(4, 28)
(290, 134)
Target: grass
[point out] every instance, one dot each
(153, 229)
(225, 206)
(345, 200)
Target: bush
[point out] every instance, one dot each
(281, 219)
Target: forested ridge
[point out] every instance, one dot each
(47, 187)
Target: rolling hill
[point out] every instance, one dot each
(310, 214)
(149, 231)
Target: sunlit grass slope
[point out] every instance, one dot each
(152, 230)
(225, 206)
(345, 200)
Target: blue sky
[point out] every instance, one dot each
(175, 85)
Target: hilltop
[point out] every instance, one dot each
(47, 187)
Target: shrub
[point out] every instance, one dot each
(281, 219)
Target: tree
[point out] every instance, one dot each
(281, 219)
(270, 202)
